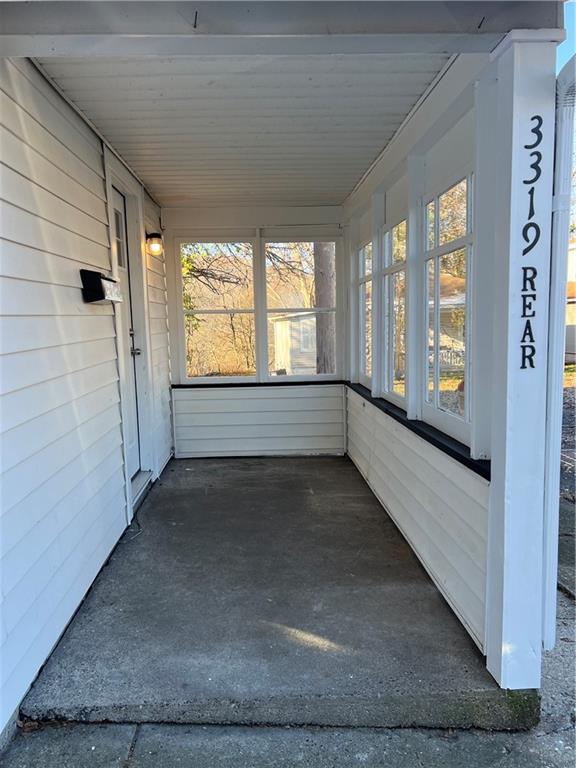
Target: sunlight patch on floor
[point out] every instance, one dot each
(309, 639)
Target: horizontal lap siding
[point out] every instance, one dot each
(259, 421)
(440, 506)
(63, 506)
(159, 342)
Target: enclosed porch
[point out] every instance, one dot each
(282, 338)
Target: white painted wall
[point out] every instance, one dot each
(62, 487)
(259, 421)
(159, 343)
(63, 505)
(440, 505)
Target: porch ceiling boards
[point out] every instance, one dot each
(241, 130)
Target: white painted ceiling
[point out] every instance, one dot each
(211, 131)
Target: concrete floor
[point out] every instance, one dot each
(267, 591)
(549, 745)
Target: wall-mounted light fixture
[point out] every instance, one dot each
(154, 244)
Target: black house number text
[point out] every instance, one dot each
(531, 236)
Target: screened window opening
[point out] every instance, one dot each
(301, 308)
(395, 251)
(365, 306)
(447, 258)
(218, 305)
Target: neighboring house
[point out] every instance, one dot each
(295, 344)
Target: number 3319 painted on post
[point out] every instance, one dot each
(531, 236)
(531, 230)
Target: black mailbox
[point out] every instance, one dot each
(97, 287)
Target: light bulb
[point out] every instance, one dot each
(154, 244)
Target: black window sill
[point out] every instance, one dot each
(440, 440)
(231, 384)
(435, 437)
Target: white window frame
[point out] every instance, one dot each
(303, 237)
(210, 238)
(260, 310)
(450, 424)
(363, 279)
(385, 274)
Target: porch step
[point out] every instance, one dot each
(273, 592)
(512, 710)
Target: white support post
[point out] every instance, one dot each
(521, 218)
(353, 304)
(260, 308)
(415, 353)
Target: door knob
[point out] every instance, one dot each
(135, 351)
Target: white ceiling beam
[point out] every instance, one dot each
(108, 29)
(110, 46)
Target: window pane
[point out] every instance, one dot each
(366, 304)
(366, 260)
(301, 343)
(452, 341)
(301, 275)
(430, 303)
(430, 223)
(220, 344)
(399, 332)
(119, 230)
(217, 276)
(453, 213)
(399, 242)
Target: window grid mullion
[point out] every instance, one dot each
(231, 311)
(436, 261)
(387, 310)
(260, 301)
(451, 246)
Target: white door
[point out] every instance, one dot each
(128, 384)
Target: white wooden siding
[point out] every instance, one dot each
(159, 342)
(440, 506)
(259, 421)
(63, 503)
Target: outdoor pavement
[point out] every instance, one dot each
(270, 591)
(567, 539)
(568, 445)
(567, 549)
(549, 745)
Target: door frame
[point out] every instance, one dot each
(119, 177)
